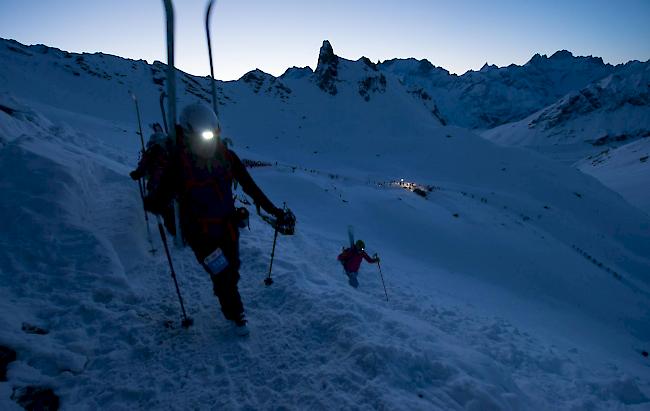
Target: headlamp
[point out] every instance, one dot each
(207, 135)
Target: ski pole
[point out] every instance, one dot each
(137, 111)
(269, 280)
(146, 217)
(187, 321)
(382, 280)
(140, 182)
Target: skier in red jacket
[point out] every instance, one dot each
(351, 260)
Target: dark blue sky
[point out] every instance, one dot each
(274, 35)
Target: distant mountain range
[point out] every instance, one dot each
(571, 108)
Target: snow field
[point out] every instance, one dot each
(489, 309)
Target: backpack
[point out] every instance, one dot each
(204, 193)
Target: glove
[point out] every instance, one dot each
(134, 175)
(286, 221)
(376, 257)
(278, 213)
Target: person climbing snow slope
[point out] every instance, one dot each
(201, 172)
(351, 259)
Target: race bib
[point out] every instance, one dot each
(216, 261)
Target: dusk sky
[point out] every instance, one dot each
(274, 35)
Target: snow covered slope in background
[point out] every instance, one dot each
(596, 128)
(610, 111)
(624, 169)
(516, 283)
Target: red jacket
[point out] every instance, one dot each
(351, 259)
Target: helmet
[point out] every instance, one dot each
(360, 244)
(198, 119)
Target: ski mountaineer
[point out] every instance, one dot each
(157, 151)
(351, 260)
(154, 162)
(202, 171)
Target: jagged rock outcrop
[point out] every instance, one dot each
(261, 81)
(296, 73)
(631, 89)
(372, 84)
(327, 69)
(497, 95)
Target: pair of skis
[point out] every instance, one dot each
(171, 70)
(169, 121)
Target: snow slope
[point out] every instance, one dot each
(624, 169)
(517, 283)
(613, 110)
(596, 129)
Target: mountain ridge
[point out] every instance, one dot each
(448, 91)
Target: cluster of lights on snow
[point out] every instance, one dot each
(406, 184)
(419, 189)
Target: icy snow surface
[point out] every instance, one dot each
(517, 283)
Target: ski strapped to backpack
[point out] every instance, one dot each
(351, 235)
(171, 102)
(213, 86)
(171, 70)
(162, 111)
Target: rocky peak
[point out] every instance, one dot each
(425, 66)
(327, 69)
(487, 67)
(297, 72)
(536, 59)
(326, 57)
(561, 55)
(367, 62)
(256, 75)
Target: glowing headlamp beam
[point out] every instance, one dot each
(207, 135)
